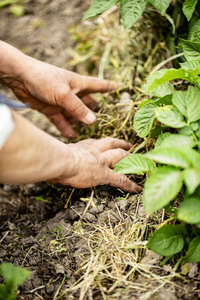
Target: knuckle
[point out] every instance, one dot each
(122, 179)
(61, 94)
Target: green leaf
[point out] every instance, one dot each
(157, 130)
(14, 274)
(162, 90)
(145, 101)
(161, 5)
(168, 240)
(6, 2)
(97, 7)
(194, 34)
(191, 49)
(131, 11)
(162, 76)
(183, 157)
(193, 66)
(193, 253)
(17, 10)
(133, 164)
(189, 211)
(144, 119)
(188, 8)
(187, 131)
(188, 103)
(161, 138)
(178, 140)
(170, 116)
(167, 100)
(161, 187)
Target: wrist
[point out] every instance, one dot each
(70, 164)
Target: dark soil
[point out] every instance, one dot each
(36, 231)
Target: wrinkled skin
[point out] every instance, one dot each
(94, 160)
(63, 96)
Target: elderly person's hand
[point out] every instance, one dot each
(63, 96)
(31, 155)
(93, 163)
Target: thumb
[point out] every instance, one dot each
(78, 109)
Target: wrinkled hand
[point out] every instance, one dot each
(93, 162)
(61, 95)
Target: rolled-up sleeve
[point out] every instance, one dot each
(6, 124)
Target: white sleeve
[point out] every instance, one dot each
(6, 124)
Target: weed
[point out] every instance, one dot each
(13, 276)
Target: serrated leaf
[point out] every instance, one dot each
(191, 49)
(177, 140)
(194, 34)
(161, 138)
(170, 116)
(97, 7)
(193, 66)
(161, 187)
(162, 76)
(188, 8)
(188, 103)
(189, 211)
(131, 11)
(14, 274)
(144, 119)
(168, 240)
(192, 179)
(183, 157)
(134, 164)
(161, 5)
(193, 253)
(162, 90)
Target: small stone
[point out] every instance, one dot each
(111, 205)
(89, 217)
(50, 289)
(59, 269)
(193, 270)
(96, 210)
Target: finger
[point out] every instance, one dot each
(87, 142)
(75, 107)
(90, 102)
(111, 143)
(60, 122)
(111, 157)
(94, 85)
(122, 182)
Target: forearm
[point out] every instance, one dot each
(12, 63)
(30, 155)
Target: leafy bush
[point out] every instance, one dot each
(13, 276)
(176, 154)
(132, 10)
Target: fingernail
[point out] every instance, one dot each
(90, 118)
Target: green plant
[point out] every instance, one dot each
(171, 19)
(16, 6)
(13, 276)
(177, 154)
(132, 10)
